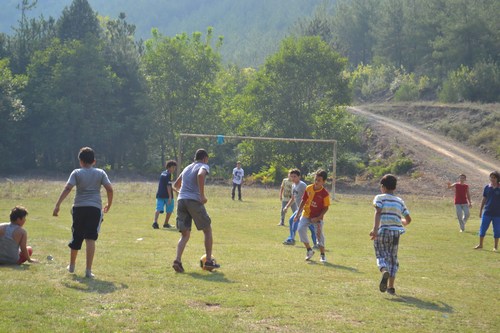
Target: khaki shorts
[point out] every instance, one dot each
(189, 210)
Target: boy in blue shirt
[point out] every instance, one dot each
(490, 210)
(391, 215)
(164, 195)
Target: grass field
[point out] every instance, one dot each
(263, 286)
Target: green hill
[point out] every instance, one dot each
(251, 28)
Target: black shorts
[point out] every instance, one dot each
(86, 224)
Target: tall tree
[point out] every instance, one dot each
(181, 72)
(78, 21)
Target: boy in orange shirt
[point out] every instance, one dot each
(314, 205)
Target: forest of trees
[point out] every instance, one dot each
(85, 80)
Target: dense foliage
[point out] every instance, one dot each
(84, 79)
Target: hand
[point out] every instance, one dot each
(285, 209)
(373, 235)
(35, 261)
(296, 218)
(405, 223)
(106, 208)
(204, 200)
(56, 211)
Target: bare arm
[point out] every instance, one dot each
(282, 188)
(468, 197)
(450, 185)
(406, 220)
(299, 210)
(23, 245)
(483, 202)
(376, 223)
(201, 184)
(177, 185)
(109, 192)
(64, 194)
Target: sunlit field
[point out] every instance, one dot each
(263, 286)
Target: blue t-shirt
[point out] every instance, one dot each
(189, 188)
(492, 205)
(165, 181)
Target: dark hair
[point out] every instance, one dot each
(322, 174)
(295, 172)
(200, 154)
(17, 212)
(86, 155)
(389, 181)
(495, 174)
(170, 163)
(463, 175)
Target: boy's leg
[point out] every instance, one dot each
(208, 242)
(181, 245)
(157, 213)
(460, 216)
(72, 260)
(485, 224)
(232, 192)
(466, 213)
(282, 220)
(90, 251)
(496, 231)
(303, 225)
(22, 258)
(313, 234)
(239, 191)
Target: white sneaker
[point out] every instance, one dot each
(309, 255)
(89, 274)
(323, 258)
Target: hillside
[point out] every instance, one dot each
(419, 132)
(251, 29)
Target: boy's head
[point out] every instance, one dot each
(320, 178)
(496, 175)
(170, 164)
(86, 155)
(462, 177)
(238, 164)
(389, 182)
(294, 175)
(200, 155)
(18, 212)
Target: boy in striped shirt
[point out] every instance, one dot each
(391, 215)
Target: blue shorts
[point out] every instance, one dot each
(485, 224)
(163, 202)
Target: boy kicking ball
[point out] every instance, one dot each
(387, 228)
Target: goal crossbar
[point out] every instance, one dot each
(260, 138)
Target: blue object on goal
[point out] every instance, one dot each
(220, 139)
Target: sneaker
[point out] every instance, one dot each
(289, 242)
(89, 274)
(323, 258)
(71, 268)
(156, 226)
(166, 225)
(309, 254)
(383, 281)
(281, 224)
(177, 266)
(391, 291)
(210, 265)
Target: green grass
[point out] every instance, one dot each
(263, 286)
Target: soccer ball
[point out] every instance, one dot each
(202, 262)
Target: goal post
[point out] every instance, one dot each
(259, 138)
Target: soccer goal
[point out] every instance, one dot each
(220, 139)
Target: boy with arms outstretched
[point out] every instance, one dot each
(387, 227)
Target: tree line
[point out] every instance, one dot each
(84, 80)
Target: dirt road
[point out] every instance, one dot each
(438, 158)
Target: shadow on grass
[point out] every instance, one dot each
(214, 277)
(425, 305)
(330, 265)
(93, 285)
(22, 267)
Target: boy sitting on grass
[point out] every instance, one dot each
(13, 239)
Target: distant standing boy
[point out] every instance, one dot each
(164, 195)
(87, 207)
(285, 196)
(387, 228)
(491, 212)
(313, 206)
(191, 206)
(238, 174)
(462, 201)
(14, 239)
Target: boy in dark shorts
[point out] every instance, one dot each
(87, 208)
(191, 206)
